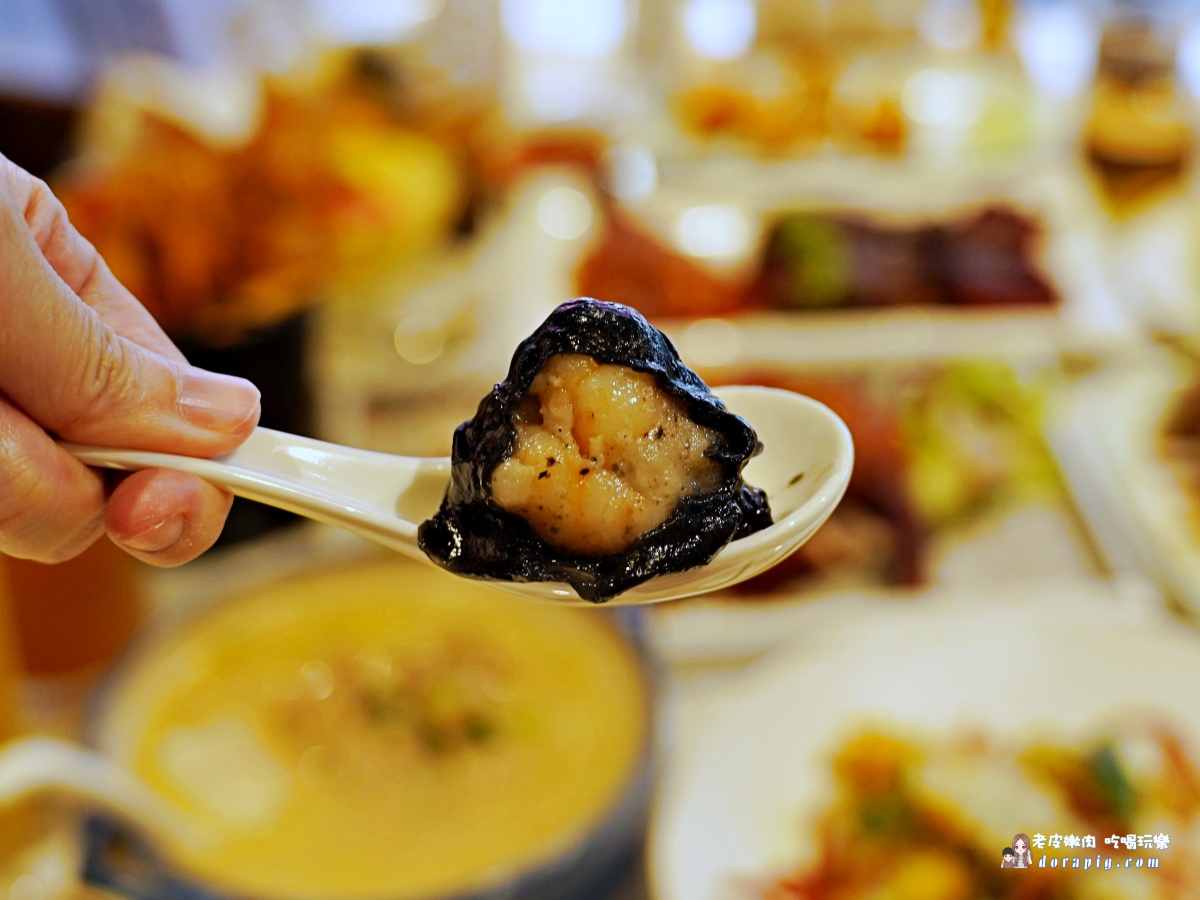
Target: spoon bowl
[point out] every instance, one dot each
(804, 468)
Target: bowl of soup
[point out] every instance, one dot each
(381, 731)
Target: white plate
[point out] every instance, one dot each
(1032, 544)
(1111, 422)
(749, 768)
(1153, 263)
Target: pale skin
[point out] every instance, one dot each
(82, 360)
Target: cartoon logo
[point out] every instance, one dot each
(1020, 846)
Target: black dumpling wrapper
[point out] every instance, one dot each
(471, 535)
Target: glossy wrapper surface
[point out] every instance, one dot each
(471, 535)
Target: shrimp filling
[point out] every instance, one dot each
(602, 456)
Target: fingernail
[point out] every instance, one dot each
(217, 402)
(158, 536)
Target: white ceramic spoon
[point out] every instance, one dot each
(804, 468)
(35, 766)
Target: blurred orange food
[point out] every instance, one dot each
(217, 239)
(926, 820)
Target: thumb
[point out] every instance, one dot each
(73, 374)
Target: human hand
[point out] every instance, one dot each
(80, 359)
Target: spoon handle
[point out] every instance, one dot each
(248, 471)
(41, 765)
(378, 495)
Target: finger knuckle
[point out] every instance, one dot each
(45, 216)
(102, 383)
(109, 370)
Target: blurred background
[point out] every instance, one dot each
(971, 227)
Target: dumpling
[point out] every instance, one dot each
(601, 461)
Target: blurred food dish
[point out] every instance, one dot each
(954, 483)
(1133, 430)
(836, 261)
(983, 721)
(1139, 137)
(832, 259)
(324, 177)
(451, 330)
(855, 93)
(828, 257)
(924, 812)
(385, 731)
(939, 448)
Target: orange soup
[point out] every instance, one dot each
(388, 731)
